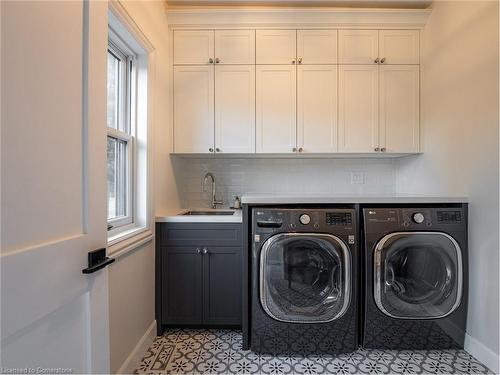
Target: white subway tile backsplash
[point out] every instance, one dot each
(307, 176)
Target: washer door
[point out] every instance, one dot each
(305, 277)
(417, 275)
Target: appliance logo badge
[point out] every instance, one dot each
(350, 239)
(372, 212)
(256, 238)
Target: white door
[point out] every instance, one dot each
(358, 108)
(399, 108)
(235, 108)
(358, 46)
(235, 46)
(53, 186)
(275, 100)
(193, 47)
(399, 46)
(317, 108)
(275, 46)
(317, 46)
(194, 109)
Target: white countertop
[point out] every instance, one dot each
(327, 199)
(175, 216)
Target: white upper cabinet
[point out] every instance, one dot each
(235, 47)
(399, 108)
(399, 46)
(193, 109)
(193, 47)
(235, 109)
(358, 108)
(316, 47)
(275, 108)
(275, 46)
(317, 108)
(358, 46)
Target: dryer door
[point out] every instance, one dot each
(305, 277)
(417, 275)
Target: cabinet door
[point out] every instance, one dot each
(399, 108)
(275, 46)
(222, 293)
(275, 99)
(235, 108)
(235, 46)
(317, 46)
(193, 47)
(317, 108)
(181, 286)
(193, 109)
(358, 46)
(399, 46)
(358, 108)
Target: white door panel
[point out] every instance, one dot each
(275, 100)
(358, 108)
(53, 185)
(317, 108)
(275, 46)
(399, 108)
(358, 46)
(399, 46)
(317, 46)
(235, 46)
(235, 109)
(193, 47)
(193, 109)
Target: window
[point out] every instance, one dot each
(121, 131)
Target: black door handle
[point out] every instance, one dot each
(97, 261)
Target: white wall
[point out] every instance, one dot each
(131, 277)
(460, 143)
(313, 176)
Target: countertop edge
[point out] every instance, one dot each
(255, 199)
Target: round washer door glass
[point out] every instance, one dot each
(305, 277)
(417, 275)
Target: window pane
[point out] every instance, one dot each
(113, 90)
(117, 178)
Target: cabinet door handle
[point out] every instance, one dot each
(377, 60)
(210, 61)
(293, 60)
(300, 60)
(383, 60)
(211, 149)
(301, 149)
(217, 60)
(377, 149)
(294, 149)
(204, 251)
(198, 250)
(383, 149)
(217, 149)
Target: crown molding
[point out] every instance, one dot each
(252, 17)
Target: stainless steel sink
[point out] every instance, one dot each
(207, 213)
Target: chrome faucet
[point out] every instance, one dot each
(214, 202)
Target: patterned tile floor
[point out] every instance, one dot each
(197, 351)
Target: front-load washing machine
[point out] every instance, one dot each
(415, 285)
(304, 280)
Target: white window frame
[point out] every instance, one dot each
(127, 37)
(126, 120)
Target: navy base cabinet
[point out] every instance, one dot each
(198, 274)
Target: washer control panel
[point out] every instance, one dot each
(338, 218)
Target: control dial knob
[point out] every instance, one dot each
(418, 218)
(305, 219)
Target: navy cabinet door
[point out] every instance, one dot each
(182, 283)
(222, 297)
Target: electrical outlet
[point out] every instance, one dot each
(357, 177)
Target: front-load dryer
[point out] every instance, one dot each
(304, 281)
(415, 262)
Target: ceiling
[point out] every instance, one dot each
(396, 4)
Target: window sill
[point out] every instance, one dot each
(127, 240)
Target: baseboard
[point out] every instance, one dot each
(482, 353)
(136, 354)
